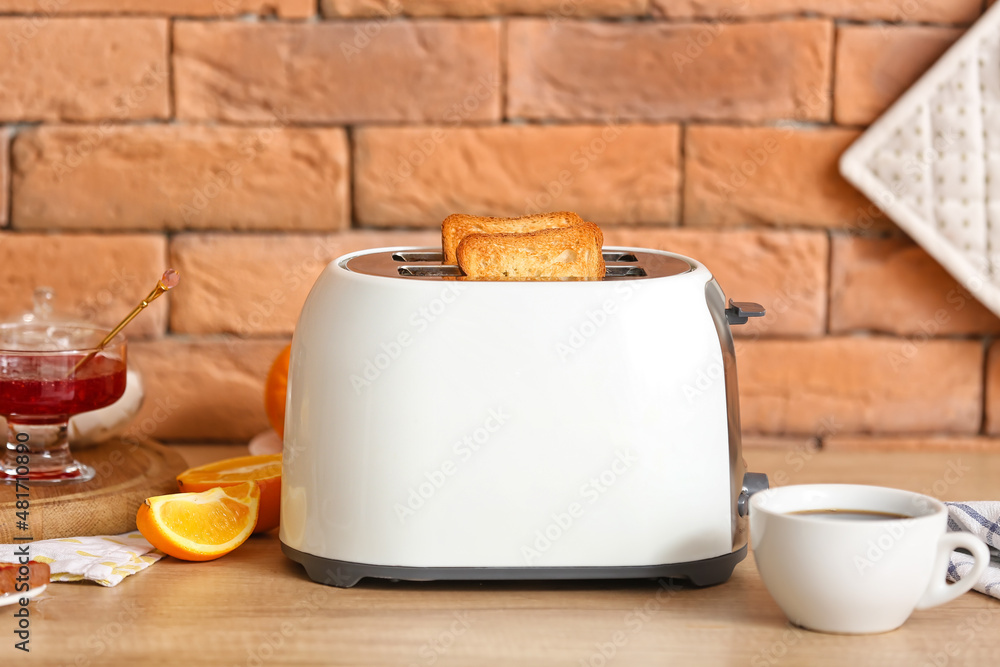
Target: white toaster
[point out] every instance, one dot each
(447, 429)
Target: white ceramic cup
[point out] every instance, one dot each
(856, 577)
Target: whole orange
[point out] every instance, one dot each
(275, 390)
(265, 470)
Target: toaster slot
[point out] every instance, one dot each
(612, 256)
(430, 256)
(416, 256)
(451, 271)
(426, 264)
(623, 271)
(431, 271)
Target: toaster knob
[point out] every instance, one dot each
(752, 483)
(739, 311)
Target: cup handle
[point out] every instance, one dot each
(940, 591)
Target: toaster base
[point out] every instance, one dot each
(344, 574)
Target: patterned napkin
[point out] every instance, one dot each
(982, 519)
(932, 161)
(105, 559)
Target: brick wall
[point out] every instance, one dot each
(247, 143)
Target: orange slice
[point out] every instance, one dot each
(200, 526)
(275, 389)
(264, 469)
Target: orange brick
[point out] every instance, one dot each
(283, 8)
(97, 279)
(607, 173)
(438, 71)
(653, 70)
(770, 176)
(266, 279)
(835, 386)
(875, 65)
(198, 389)
(992, 425)
(904, 11)
(4, 175)
(893, 286)
(176, 177)
(554, 9)
(83, 69)
(785, 271)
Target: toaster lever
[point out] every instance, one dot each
(752, 483)
(739, 311)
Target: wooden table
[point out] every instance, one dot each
(255, 607)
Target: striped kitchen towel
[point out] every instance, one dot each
(981, 518)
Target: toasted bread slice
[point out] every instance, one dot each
(548, 254)
(457, 227)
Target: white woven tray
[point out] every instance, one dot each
(932, 161)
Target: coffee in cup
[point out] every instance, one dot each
(852, 515)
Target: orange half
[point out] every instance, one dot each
(264, 469)
(200, 526)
